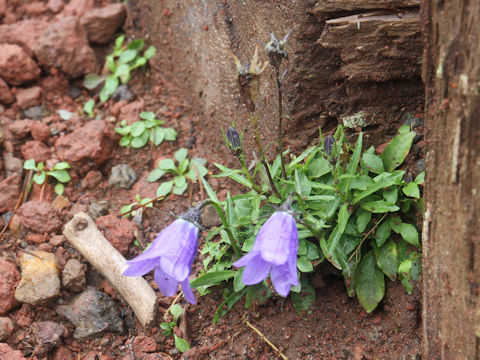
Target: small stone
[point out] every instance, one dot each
(36, 238)
(60, 202)
(102, 23)
(122, 94)
(12, 164)
(93, 313)
(47, 336)
(39, 216)
(36, 150)
(57, 240)
(39, 284)
(144, 188)
(25, 316)
(8, 282)
(7, 353)
(73, 275)
(98, 208)
(6, 328)
(119, 232)
(29, 97)
(55, 6)
(16, 67)
(122, 176)
(40, 131)
(62, 353)
(35, 112)
(10, 192)
(144, 344)
(210, 217)
(6, 96)
(131, 112)
(92, 179)
(20, 128)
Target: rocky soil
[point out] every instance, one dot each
(53, 303)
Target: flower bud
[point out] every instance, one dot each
(233, 141)
(275, 50)
(328, 144)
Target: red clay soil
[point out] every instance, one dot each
(336, 328)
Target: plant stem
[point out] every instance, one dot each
(280, 121)
(254, 122)
(366, 235)
(255, 186)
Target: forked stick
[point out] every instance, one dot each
(84, 235)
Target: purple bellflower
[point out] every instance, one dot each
(274, 252)
(171, 255)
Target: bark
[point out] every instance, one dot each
(325, 83)
(451, 243)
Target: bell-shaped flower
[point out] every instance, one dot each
(274, 252)
(171, 255)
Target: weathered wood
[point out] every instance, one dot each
(84, 235)
(451, 236)
(375, 47)
(349, 5)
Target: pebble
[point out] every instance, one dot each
(35, 112)
(120, 232)
(57, 240)
(39, 283)
(122, 176)
(145, 344)
(8, 282)
(7, 353)
(6, 328)
(91, 180)
(73, 275)
(98, 208)
(93, 313)
(39, 216)
(122, 93)
(210, 217)
(47, 336)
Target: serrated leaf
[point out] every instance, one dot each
(211, 194)
(397, 150)
(379, 206)
(119, 41)
(147, 115)
(412, 190)
(212, 278)
(387, 258)
(369, 282)
(164, 188)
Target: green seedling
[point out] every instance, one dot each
(139, 203)
(185, 170)
(89, 107)
(59, 172)
(147, 129)
(167, 328)
(120, 63)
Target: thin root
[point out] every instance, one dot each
(264, 338)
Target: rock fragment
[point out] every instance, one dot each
(36, 150)
(39, 216)
(16, 67)
(39, 284)
(47, 336)
(102, 23)
(7, 353)
(29, 97)
(73, 275)
(93, 313)
(8, 282)
(119, 232)
(6, 96)
(122, 176)
(9, 192)
(6, 328)
(40, 131)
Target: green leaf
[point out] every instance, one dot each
(181, 154)
(361, 182)
(125, 141)
(387, 258)
(91, 81)
(140, 61)
(65, 114)
(404, 129)
(150, 52)
(59, 188)
(386, 181)
(176, 311)
(379, 206)
(363, 218)
(88, 107)
(111, 84)
(136, 44)
(373, 162)
(137, 128)
(304, 265)
(212, 278)
(396, 223)
(412, 190)
(164, 188)
(170, 134)
(319, 167)
(181, 344)
(155, 175)
(123, 73)
(29, 164)
(209, 191)
(234, 175)
(140, 141)
(391, 195)
(39, 178)
(179, 190)
(397, 150)
(410, 234)
(369, 282)
(179, 181)
(60, 175)
(420, 179)
(167, 165)
(304, 300)
(147, 115)
(230, 300)
(158, 135)
(237, 280)
(383, 232)
(119, 41)
(127, 56)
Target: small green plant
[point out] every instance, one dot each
(120, 64)
(186, 170)
(89, 107)
(139, 203)
(59, 172)
(147, 129)
(167, 328)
